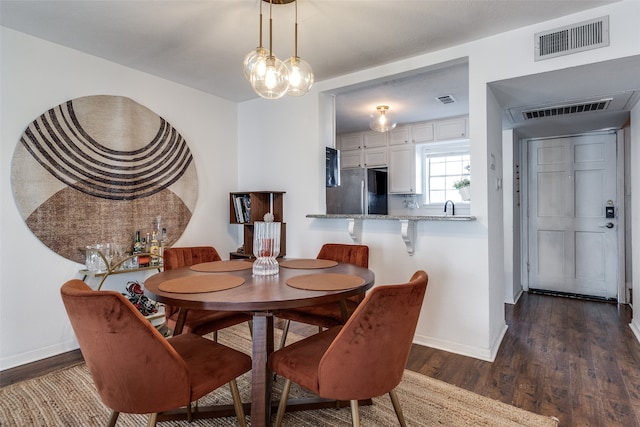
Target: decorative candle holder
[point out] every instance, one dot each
(266, 247)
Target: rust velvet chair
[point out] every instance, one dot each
(330, 314)
(134, 368)
(363, 359)
(200, 322)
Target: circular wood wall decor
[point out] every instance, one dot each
(96, 169)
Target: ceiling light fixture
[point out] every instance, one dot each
(382, 120)
(259, 54)
(270, 77)
(300, 72)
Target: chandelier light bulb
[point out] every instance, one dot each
(254, 60)
(382, 121)
(274, 82)
(300, 76)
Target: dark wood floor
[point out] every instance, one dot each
(574, 359)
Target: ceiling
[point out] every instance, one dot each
(201, 44)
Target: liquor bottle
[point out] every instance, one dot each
(154, 248)
(143, 259)
(137, 249)
(163, 244)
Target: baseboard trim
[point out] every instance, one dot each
(40, 367)
(572, 295)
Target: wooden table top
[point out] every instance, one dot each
(257, 293)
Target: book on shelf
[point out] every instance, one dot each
(246, 205)
(242, 208)
(237, 208)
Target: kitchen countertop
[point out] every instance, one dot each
(407, 224)
(396, 217)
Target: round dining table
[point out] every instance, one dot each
(231, 286)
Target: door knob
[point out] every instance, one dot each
(607, 225)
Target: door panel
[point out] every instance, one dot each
(570, 247)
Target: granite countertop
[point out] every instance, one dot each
(396, 217)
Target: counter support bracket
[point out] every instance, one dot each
(408, 232)
(355, 229)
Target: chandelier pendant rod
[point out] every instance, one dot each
(295, 34)
(260, 25)
(270, 29)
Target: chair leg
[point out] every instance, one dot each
(355, 414)
(113, 418)
(285, 331)
(237, 403)
(283, 402)
(215, 336)
(153, 418)
(250, 322)
(397, 408)
(189, 413)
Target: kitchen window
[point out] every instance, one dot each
(444, 164)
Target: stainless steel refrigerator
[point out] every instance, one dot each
(361, 191)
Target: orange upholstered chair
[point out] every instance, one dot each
(331, 314)
(363, 359)
(134, 368)
(200, 322)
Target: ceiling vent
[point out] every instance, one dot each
(574, 38)
(561, 110)
(446, 99)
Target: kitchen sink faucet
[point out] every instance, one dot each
(453, 207)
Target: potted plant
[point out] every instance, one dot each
(464, 188)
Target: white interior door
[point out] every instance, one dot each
(573, 247)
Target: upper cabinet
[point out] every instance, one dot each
(351, 141)
(362, 149)
(351, 159)
(451, 129)
(374, 139)
(404, 177)
(400, 135)
(422, 132)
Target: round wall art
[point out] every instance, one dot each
(99, 168)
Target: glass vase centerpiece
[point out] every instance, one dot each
(266, 246)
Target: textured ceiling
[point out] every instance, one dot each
(201, 44)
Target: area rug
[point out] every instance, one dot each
(68, 398)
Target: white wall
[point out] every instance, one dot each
(36, 76)
(634, 159)
(512, 270)
(279, 145)
(463, 310)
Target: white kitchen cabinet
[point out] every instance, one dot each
(422, 132)
(404, 174)
(374, 139)
(451, 129)
(351, 159)
(375, 157)
(399, 136)
(351, 141)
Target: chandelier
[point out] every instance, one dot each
(270, 77)
(382, 120)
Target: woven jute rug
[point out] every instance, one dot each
(68, 398)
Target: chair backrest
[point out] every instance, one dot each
(185, 257)
(368, 356)
(352, 254)
(134, 368)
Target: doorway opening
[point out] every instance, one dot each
(573, 216)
